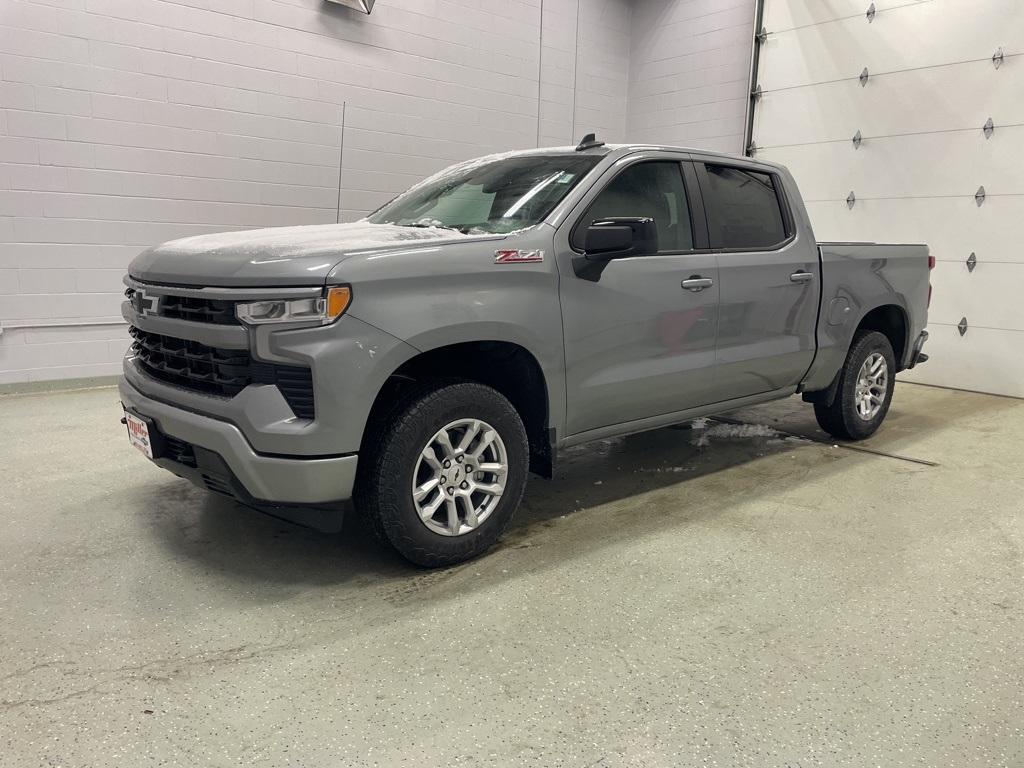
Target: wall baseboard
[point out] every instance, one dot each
(57, 385)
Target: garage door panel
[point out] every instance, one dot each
(958, 96)
(924, 154)
(989, 296)
(923, 165)
(958, 30)
(983, 360)
(801, 13)
(952, 227)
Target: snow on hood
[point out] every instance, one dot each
(280, 256)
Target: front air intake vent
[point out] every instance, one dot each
(179, 451)
(217, 485)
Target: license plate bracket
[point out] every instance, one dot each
(143, 434)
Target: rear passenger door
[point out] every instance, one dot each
(769, 281)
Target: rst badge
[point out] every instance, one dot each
(517, 257)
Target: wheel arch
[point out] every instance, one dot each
(891, 321)
(508, 367)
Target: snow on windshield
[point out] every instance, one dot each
(496, 194)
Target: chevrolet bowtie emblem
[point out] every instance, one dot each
(146, 305)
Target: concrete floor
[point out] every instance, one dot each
(683, 597)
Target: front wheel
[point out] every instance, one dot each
(446, 475)
(866, 384)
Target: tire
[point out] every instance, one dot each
(843, 418)
(384, 488)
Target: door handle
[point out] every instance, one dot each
(801, 277)
(696, 283)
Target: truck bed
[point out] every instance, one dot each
(898, 273)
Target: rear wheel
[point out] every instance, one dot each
(446, 475)
(866, 384)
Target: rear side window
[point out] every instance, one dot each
(652, 189)
(743, 209)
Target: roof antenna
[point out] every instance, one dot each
(589, 142)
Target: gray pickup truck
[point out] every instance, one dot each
(423, 360)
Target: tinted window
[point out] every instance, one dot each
(653, 190)
(743, 209)
(488, 195)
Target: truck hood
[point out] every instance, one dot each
(280, 256)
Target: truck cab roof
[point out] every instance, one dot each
(615, 151)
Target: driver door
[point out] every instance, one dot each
(640, 337)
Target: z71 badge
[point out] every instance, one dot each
(517, 257)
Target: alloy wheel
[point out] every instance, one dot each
(872, 386)
(459, 477)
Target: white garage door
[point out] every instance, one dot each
(931, 86)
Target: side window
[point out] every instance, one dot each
(743, 208)
(654, 190)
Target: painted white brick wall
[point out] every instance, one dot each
(584, 70)
(689, 72)
(125, 123)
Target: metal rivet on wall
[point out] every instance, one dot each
(972, 262)
(979, 196)
(962, 326)
(851, 199)
(871, 13)
(864, 77)
(988, 128)
(856, 140)
(997, 58)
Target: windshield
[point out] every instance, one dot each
(494, 197)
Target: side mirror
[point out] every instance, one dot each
(619, 237)
(615, 238)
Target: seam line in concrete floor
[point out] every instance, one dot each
(847, 446)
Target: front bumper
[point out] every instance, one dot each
(228, 458)
(349, 359)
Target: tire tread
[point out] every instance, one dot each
(838, 418)
(394, 444)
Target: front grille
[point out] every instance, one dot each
(199, 310)
(216, 311)
(223, 372)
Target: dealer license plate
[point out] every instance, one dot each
(138, 434)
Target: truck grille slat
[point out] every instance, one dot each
(216, 311)
(223, 372)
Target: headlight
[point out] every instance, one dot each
(325, 309)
